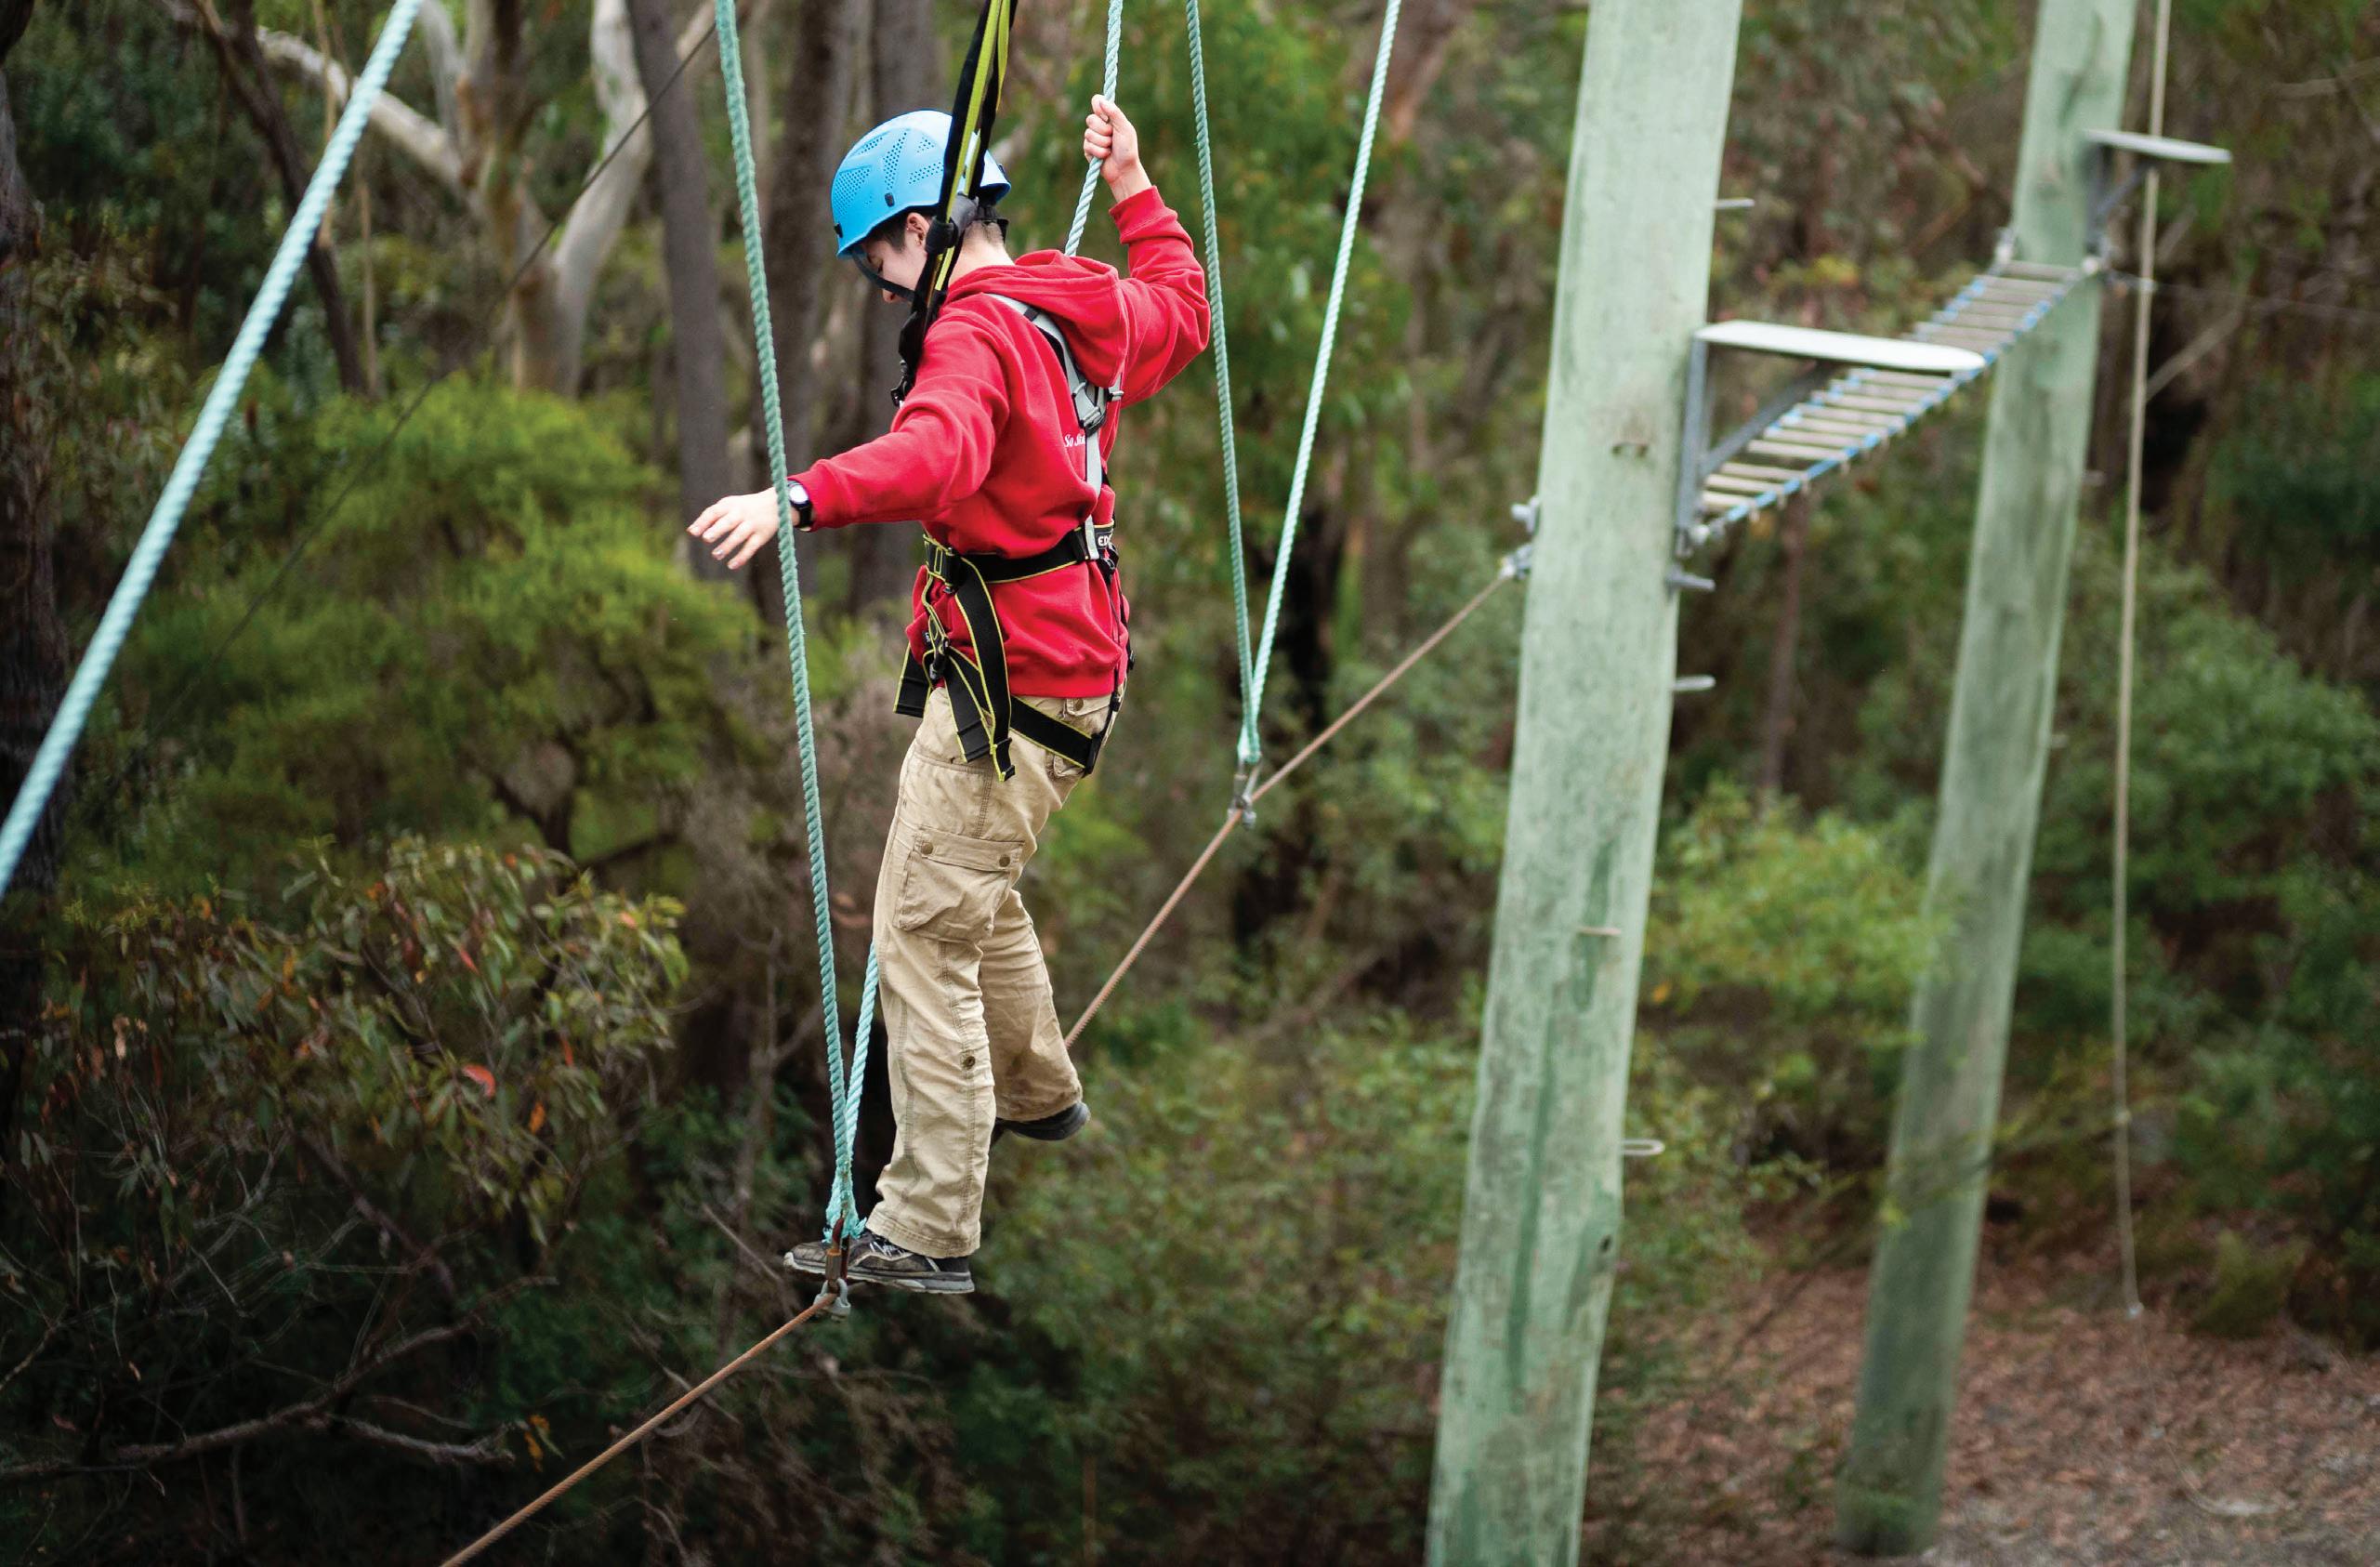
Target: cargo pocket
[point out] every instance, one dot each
(952, 885)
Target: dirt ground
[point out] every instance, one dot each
(2081, 1437)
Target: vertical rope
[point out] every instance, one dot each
(842, 1087)
(141, 571)
(1091, 176)
(2145, 292)
(1250, 748)
(1222, 337)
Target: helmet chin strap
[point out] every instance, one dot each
(970, 214)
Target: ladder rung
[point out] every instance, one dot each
(1717, 503)
(1915, 383)
(1967, 337)
(1755, 470)
(1834, 408)
(1729, 482)
(2030, 272)
(1833, 430)
(1768, 448)
(1878, 404)
(1984, 304)
(2017, 291)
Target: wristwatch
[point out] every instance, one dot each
(804, 518)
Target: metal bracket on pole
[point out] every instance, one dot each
(2108, 193)
(1687, 685)
(1681, 581)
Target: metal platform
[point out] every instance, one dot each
(2163, 148)
(1829, 417)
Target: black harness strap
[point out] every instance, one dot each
(984, 710)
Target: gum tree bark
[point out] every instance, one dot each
(689, 256)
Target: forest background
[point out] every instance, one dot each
(412, 1042)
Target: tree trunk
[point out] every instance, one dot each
(796, 238)
(243, 61)
(690, 256)
(1777, 724)
(906, 73)
(33, 641)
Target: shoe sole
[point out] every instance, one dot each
(916, 1284)
(1005, 1127)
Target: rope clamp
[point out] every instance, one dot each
(840, 1288)
(1516, 564)
(1244, 799)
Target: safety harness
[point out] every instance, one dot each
(986, 713)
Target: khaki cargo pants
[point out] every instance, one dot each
(972, 1032)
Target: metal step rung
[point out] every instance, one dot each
(2036, 272)
(1982, 320)
(2019, 296)
(1774, 475)
(1833, 430)
(1734, 485)
(1983, 307)
(1977, 337)
(1719, 506)
(1768, 448)
(1835, 413)
(1914, 383)
(1879, 404)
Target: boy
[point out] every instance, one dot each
(1017, 634)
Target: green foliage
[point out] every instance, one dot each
(310, 1136)
(1780, 955)
(2303, 474)
(2251, 1287)
(489, 625)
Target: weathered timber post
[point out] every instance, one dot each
(1888, 1497)
(1542, 1208)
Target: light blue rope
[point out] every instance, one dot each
(1250, 748)
(1091, 174)
(74, 708)
(842, 1087)
(1222, 359)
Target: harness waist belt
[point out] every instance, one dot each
(981, 705)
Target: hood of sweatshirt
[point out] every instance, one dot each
(1087, 296)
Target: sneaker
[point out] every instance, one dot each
(875, 1260)
(1057, 1126)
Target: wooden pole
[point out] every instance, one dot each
(1598, 650)
(1888, 1499)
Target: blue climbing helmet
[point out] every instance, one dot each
(894, 169)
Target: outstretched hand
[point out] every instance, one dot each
(1110, 141)
(737, 526)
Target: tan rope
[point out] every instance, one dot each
(1239, 808)
(689, 1396)
(2118, 1001)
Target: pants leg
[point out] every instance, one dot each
(965, 997)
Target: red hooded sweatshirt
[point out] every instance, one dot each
(986, 451)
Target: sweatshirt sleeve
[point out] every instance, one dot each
(939, 450)
(1165, 292)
